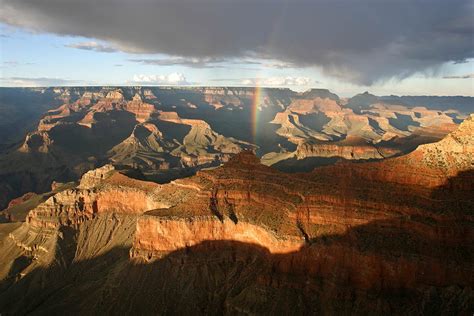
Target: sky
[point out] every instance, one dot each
(386, 47)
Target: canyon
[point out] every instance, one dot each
(236, 157)
(391, 236)
(161, 133)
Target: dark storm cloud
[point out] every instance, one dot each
(359, 41)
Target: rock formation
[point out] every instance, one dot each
(430, 165)
(246, 238)
(167, 133)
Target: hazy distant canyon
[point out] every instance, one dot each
(57, 134)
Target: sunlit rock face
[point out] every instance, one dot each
(429, 165)
(246, 238)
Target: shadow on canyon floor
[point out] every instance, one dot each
(371, 269)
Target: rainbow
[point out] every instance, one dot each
(256, 102)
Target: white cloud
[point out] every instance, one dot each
(278, 81)
(174, 78)
(14, 63)
(37, 82)
(93, 46)
(181, 61)
(279, 65)
(467, 76)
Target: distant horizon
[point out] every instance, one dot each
(235, 86)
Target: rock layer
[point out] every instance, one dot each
(386, 237)
(244, 233)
